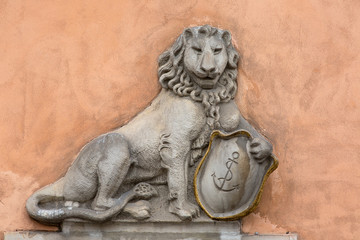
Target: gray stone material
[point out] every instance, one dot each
(145, 166)
(138, 231)
(185, 231)
(132, 230)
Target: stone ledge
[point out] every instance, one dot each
(232, 227)
(291, 236)
(74, 230)
(37, 235)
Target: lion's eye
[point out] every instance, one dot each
(197, 49)
(217, 50)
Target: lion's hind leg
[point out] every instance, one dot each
(111, 169)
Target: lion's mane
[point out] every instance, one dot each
(173, 76)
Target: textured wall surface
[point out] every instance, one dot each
(71, 70)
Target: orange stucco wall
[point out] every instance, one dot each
(71, 70)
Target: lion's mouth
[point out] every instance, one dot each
(206, 81)
(207, 77)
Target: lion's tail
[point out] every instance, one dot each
(49, 193)
(54, 192)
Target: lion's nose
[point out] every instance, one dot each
(207, 63)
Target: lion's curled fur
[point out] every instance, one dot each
(172, 75)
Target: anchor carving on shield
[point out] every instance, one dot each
(220, 181)
(228, 181)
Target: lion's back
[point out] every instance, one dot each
(167, 114)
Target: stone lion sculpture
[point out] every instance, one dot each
(198, 77)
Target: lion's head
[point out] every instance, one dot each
(202, 64)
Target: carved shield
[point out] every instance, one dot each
(228, 181)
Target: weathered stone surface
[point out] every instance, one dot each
(142, 236)
(146, 231)
(137, 236)
(198, 75)
(138, 231)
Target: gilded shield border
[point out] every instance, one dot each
(256, 200)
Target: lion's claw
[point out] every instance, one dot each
(185, 211)
(260, 149)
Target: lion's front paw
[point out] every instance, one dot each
(184, 210)
(260, 149)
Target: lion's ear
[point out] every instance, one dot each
(188, 34)
(226, 36)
